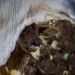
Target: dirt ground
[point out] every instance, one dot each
(44, 49)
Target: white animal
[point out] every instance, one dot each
(15, 15)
